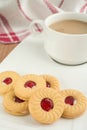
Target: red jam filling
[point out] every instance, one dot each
(69, 100)
(29, 84)
(18, 100)
(47, 104)
(48, 84)
(7, 81)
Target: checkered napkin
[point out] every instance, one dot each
(16, 15)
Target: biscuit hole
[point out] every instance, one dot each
(70, 100)
(18, 100)
(29, 84)
(47, 104)
(7, 80)
(48, 84)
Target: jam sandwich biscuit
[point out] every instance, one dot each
(27, 84)
(15, 105)
(51, 82)
(7, 80)
(75, 103)
(46, 105)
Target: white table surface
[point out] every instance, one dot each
(30, 57)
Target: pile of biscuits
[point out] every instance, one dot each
(40, 96)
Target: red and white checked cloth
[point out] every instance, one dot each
(16, 15)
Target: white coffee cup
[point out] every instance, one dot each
(65, 48)
(68, 49)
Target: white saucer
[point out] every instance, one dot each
(30, 57)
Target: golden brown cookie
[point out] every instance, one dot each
(46, 105)
(75, 103)
(7, 80)
(16, 113)
(15, 105)
(27, 84)
(51, 82)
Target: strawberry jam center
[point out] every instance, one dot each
(29, 84)
(48, 84)
(18, 100)
(69, 100)
(7, 81)
(47, 104)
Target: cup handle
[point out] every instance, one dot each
(36, 27)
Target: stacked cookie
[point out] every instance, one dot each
(40, 96)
